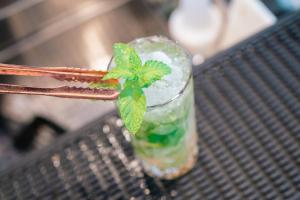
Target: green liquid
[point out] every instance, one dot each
(167, 142)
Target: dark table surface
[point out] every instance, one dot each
(247, 110)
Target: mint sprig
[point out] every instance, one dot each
(152, 71)
(132, 100)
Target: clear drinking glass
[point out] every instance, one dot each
(166, 143)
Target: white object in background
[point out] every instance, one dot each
(195, 24)
(245, 18)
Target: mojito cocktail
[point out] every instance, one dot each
(166, 143)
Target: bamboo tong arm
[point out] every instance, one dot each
(64, 92)
(63, 74)
(60, 73)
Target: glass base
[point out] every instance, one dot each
(173, 172)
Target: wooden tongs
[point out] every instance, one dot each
(62, 74)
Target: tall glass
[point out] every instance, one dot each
(166, 144)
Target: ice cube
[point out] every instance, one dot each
(168, 87)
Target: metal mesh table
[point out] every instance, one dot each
(248, 112)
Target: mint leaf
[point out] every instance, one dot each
(99, 85)
(132, 107)
(132, 101)
(126, 57)
(118, 72)
(152, 71)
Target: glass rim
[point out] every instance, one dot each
(188, 55)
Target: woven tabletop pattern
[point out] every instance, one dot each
(247, 110)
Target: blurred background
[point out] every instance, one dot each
(80, 33)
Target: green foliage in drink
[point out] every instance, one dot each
(129, 67)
